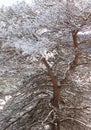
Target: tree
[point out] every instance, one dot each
(75, 15)
(54, 71)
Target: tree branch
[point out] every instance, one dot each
(55, 86)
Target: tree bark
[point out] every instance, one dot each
(75, 40)
(55, 86)
(56, 94)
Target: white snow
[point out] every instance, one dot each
(11, 2)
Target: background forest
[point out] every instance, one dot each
(45, 65)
